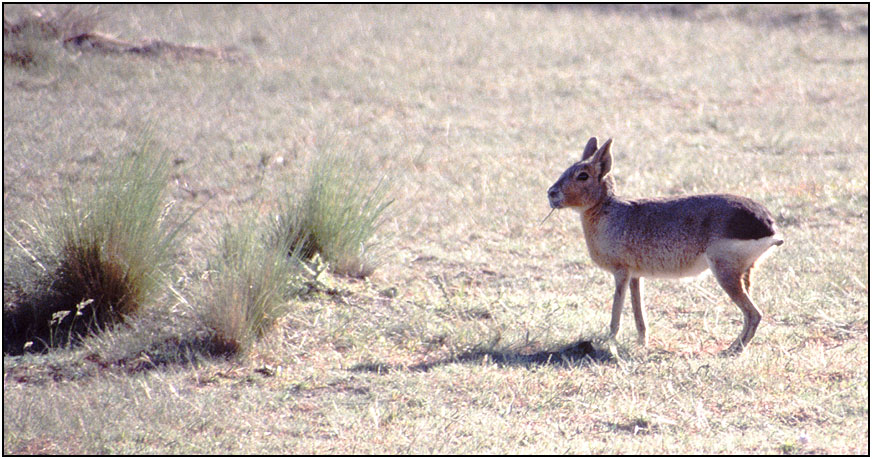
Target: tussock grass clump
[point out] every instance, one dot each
(249, 288)
(337, 214)
(109, 250)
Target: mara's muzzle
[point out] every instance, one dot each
(555, 197)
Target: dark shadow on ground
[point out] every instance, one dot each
(575, 354)
(39, 322)
(161, 353)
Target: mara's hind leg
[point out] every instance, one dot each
(639, 310)
(746, 280)
(736, 283)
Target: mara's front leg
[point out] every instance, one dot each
(622, 278)
(639, 310)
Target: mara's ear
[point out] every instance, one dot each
(590, 149)
(603, 159)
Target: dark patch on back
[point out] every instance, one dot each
(707, 224)
(749, 220)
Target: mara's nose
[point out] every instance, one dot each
(552, 192)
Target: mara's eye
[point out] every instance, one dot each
(582, 176)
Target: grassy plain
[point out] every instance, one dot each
(474, 111)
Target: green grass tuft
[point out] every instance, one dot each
(248, 290)
(337, 214)
(110, 250)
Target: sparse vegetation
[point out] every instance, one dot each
(479, 319)
(36, 39)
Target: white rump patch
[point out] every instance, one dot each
(743, 252)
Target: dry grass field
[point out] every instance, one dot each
(471, 334)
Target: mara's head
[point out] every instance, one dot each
(586, 182)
